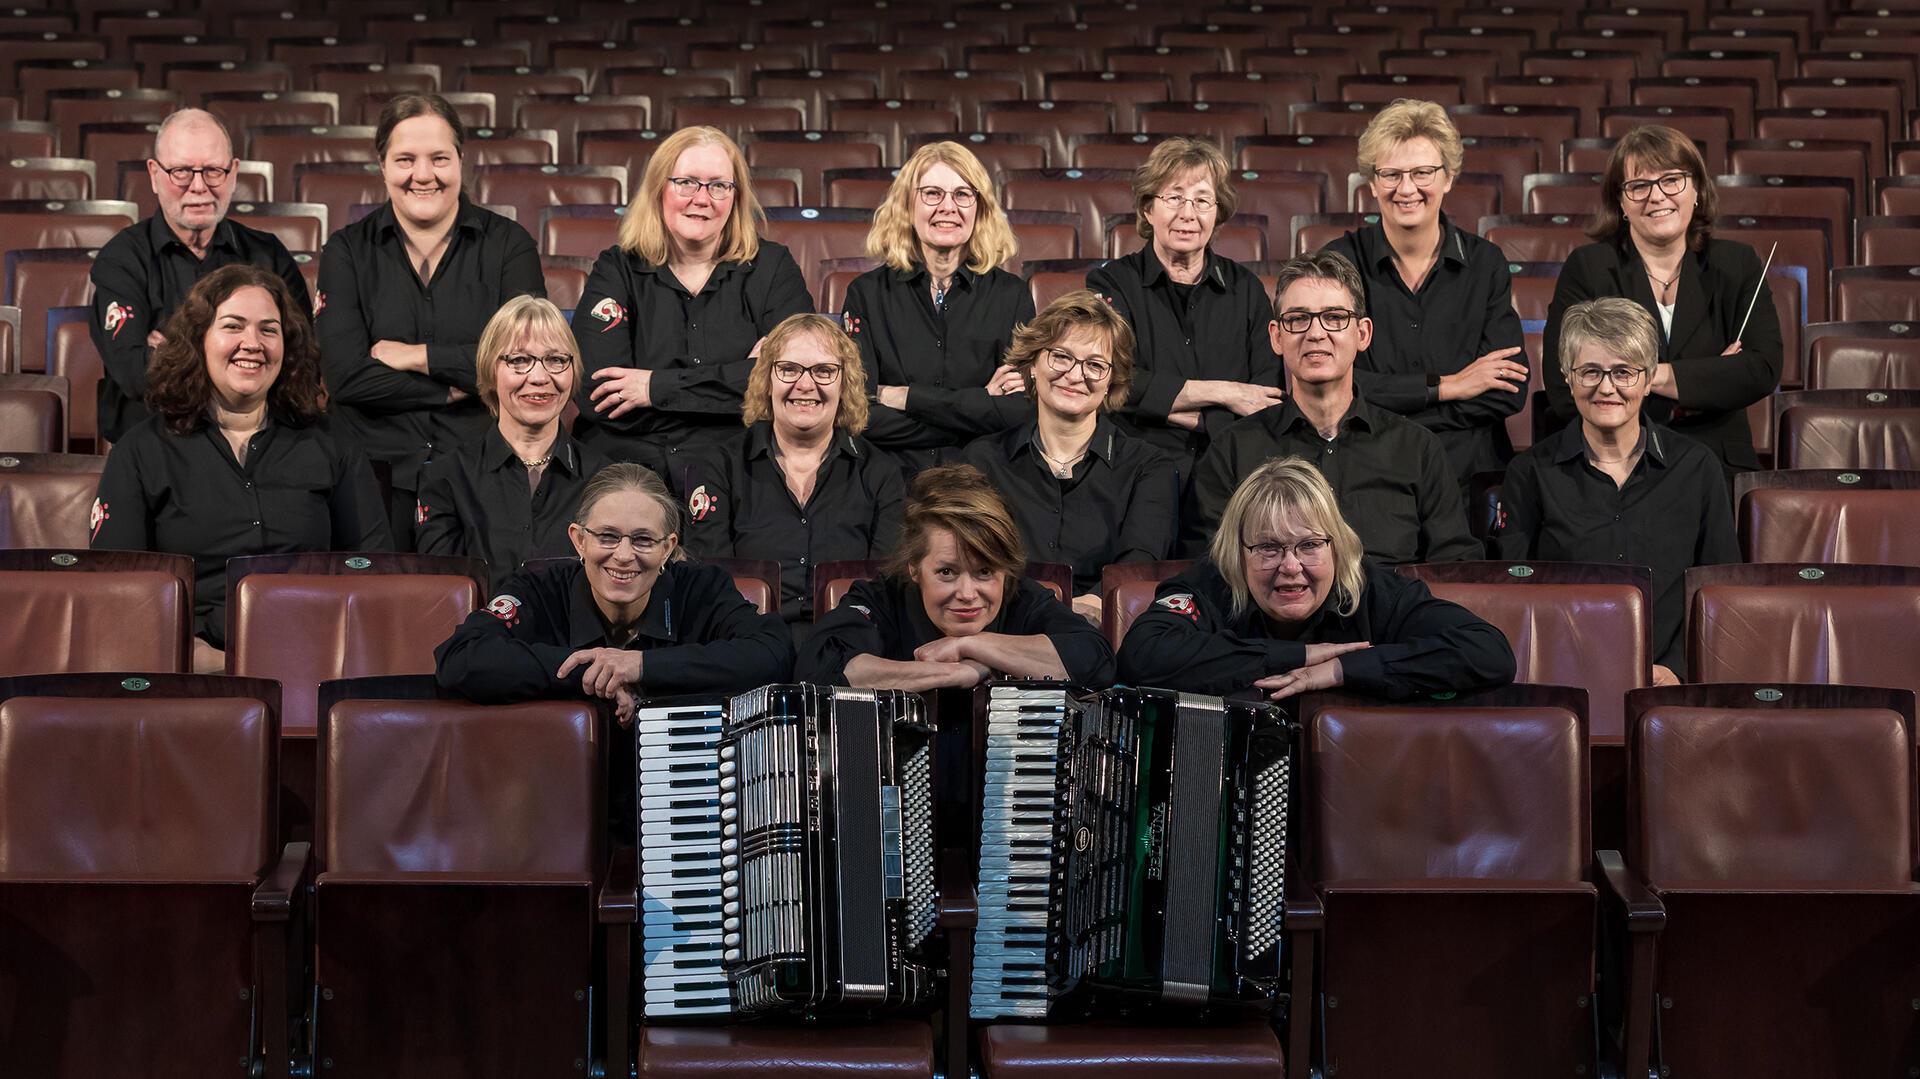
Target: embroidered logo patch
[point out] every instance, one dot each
(610, 312)
(419, 513)
(97, 518)
(116, 318)
(1180, 603)
(850, 323)
(319, 303)
(700, 503)
(506, 608)
(865, 611)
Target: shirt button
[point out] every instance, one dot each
(803, 520)
(256, 524)
(939, 343)
(1053, 546)
(696, 361)
(803, 560)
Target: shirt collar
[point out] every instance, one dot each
(1104, 432)
(496, 453)
(1154, 272)
(1571, 444)
(918, 272)
(1360, 413)
(586, 629)
(469, 218)
(1378, 253)
(760, 443)
(163, 235)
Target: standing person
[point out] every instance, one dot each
(404, 294)
(1202, 352)
(673, 314)
(934, 321)
(1655, 246)
(1446, 350)
(141, 276)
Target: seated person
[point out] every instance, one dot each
(632, 618)
(142, 275)
(1287, 601)
(934, 321)
(953, 609)
(510, 496)
(673, 313)
(1389, 473)
(1083, 491)
(1616, 487)
(801, 487)
(234, 459)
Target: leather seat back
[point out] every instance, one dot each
(44, 499)
(101, 611)
(1838, 625)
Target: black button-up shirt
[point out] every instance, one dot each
(475, 503)
(945, 357)
(1672, 513)
(1119, 506)
(886, 618)
(1463, 311)
(738, 506)
(1389, 473)
(369, 293)
(635, 314)
(1217, 331)
(140, 278)
(699, 636)
(302, 489)
(1190, 640)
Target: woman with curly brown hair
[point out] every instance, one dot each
(234, 459)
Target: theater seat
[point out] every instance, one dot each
(33, 414)
(1828, 624)
(894, 1047)
(1847, 429)
(80, 610)
(1862, 517)
(1126, 591)
(758, 580)
(1863, 356)
(1131, 1049)
(44, 498)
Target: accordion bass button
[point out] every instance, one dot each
(732, 956)
(727, 767)
(731, 876)
(732, 911)
(727, 783)
(729, 814)
(726, 754)
(729, 846)
(730, 892)
(731, 925)
(729, 861)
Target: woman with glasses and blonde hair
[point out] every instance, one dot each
(1615, 488)
(933, 322)
(1719, 335)
(1286, 601)
(509, 496)
(1083, 491)
(801, 487)
(673, 313)
(1446, 350)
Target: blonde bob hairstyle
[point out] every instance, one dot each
(644, 232)
(958, 499)
(852, 412)
(1076, 310)
(1287, 489)
(614, 479)
(1406, 119)
(892, 238)
(1620, 328)
(1173, 159)
(523, 318)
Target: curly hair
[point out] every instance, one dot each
(178, 386)
(959, 499)
(1076, 310)
(892, 239)
(852, 413)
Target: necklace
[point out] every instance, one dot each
(537, 462)
(1060, 469)
(1664, 284)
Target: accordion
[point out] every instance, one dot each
(786, 852)
(1132, 851)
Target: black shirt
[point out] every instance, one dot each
(369, 293)
(302, 489)
(1672, 513)
(475, 502)
(1389, 473)
(1118, 507)
(140, 278)
(738, 506)
(1219, 331)
(698, 634)
(886, 618)
(945, 357)
(1463, 311)
(1190, 640)
(635, 314)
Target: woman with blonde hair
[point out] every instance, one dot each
(509, 496)
(933, 322)
(672, 315)
(1286, 601)
(801, 486)
(953, 608)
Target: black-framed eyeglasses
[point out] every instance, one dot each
(823, 374)
(717, 190)
(556, 363)
(963, 197)
(1308, 551)
(1333, 320)
(609, 540)
(1060, 361)
(1641, 190)
(1625, 376)
(1423, 175)
(182, 175)
(1201, 204)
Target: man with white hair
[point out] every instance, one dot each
(143, 274)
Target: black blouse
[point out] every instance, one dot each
(475, 503)
(302, 489)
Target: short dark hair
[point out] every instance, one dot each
(959, 499)
(403, 107)
(1661, 148)
(178, 387)
(1323, 265)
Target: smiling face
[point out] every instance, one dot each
(1183, 230)
(244, 348)
(1406, 204)
(622, 578)
(1607, 406)
(1317, 355)
(961, 598)
(422, 171)
(1288, 589)
(697, 219)
(538, 397)
(1662, 219)
(1070, 394)
(803, 406)
(192, 144)
(945, 225)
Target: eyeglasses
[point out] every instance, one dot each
(1624, 376)
(1307, 552)
(1333, 320)
(717, 190)
(1060, 361)
(963, 197)
(556, 363)
(1201, 204)
(823, 374)
(1640, 190)
(182, 175)
(609, 540)
(1422, 175)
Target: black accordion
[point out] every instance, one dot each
(785, 852)
(1132, 852)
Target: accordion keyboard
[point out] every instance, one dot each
(681, 776)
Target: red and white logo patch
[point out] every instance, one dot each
(116, 318)
(319, 303)
(865, 611)
(97, 518)
(506, 608)
(850, 323)
(1180, 603)
(610, 312)
(419, 513)
(700, 503)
